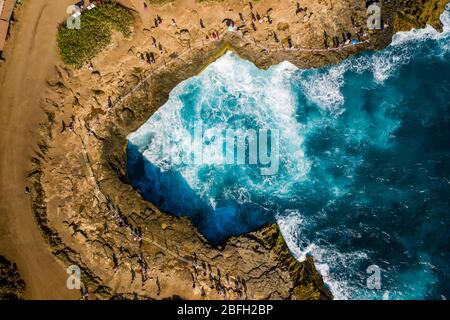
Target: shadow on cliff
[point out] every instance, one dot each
(169, 191)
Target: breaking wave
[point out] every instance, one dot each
(364, 172)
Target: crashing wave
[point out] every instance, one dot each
(325, 124)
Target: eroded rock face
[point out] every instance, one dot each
(11, 284)
(417, 14)
(126, 247)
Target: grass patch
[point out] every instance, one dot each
(78, 46)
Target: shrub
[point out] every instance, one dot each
(78, 46)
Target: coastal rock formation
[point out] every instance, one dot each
(125, 245)
(91, 216)
(417, 14)
(11, 284)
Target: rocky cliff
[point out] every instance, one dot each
(11, 284)
(125, 246)
(417, 14)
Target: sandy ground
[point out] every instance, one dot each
(30, 55)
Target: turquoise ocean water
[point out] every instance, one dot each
(364, 173)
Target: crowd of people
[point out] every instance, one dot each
(222, 286)
(248, 21)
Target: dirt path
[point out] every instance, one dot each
(30, 55)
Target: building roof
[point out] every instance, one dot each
(4, 25)
(7, 8)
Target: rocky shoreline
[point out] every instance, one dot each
(11, 284)
(124, 246)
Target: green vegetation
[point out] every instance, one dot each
(78, 46)
(11, 285)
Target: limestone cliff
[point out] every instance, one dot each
(125, 246)
(11, 284)
(417, 14)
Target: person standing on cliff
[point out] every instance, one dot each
(133, 274)
(158, 286)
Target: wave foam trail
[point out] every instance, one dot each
(291, 225)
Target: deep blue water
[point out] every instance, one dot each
(364, 173)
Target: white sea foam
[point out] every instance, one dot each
(275, 107)
(291, 225)
(423, 34)
(265, 97)
(403, 46)
(324, 89)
